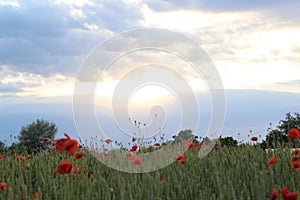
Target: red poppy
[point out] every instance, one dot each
(134, 148)
(78, 170)
(181, 158)
(254, 139)
(1, 156)
(36, 195)
(296, 152)
(108, 141)
(3, 186)
(90, 174)
(45, 139)
(275, 194)
(296, 158)
(53, 144)
(80, 146)
(66, 144)
(79, 155)
(49, 150)
(191, 146)
(28, 157)
(137, 161)
(20, 158)
(129, 155)
(64, 168)
(296, 165)
(294, 133)
(288, 195)
(157, 144)
(160, 178)
(272, 160)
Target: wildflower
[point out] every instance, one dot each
(137, 161)
(129, 155)
(1, 156)
(181, 158)
(45, 139)
(294, 133)
(90, 174)
(275, 194)
(49, 150)
(3, 186)
(254, 139)
(108, 141)
(78, 170)
(296, 158)
(296, 152)
(64, 168)
(80, 146)
(28, 157)
(296, 165)
(36, 195)
(79, 155)
(288, 195)
(160, 178)
(20, 157)
(157, 144)
(66, 144)
(272, 160)
(134, 148)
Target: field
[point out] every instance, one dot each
(244, 172)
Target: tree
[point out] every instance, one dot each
(184, 135)
(2, 146)
(32, 134)
(290, 121)
(274, 139)
(278, 137)
(228, 141)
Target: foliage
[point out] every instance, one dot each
(184, 135)
(290, 121)
(32, 134)
(228, 141)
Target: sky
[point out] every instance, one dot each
(254, 46)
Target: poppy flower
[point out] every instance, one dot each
(296, 152)
(288, 195)
(275, 194)
(66, 144)
(78, 170)
(49, 150)
(1, 156)
(296, 158)
(45, 139)
(157, 144)
(294, 133)
(129, 155)
(160, 178)
(137, 161)
(80, 146)
(272, 160)
(181, 158)
(90, 173)
(3, 186)
(20, 158)
(191, 146)
(36, 195)
(134, 148)
(79, 155)
(296, 165)
(254, 139)
(108, 141)
(64, 168)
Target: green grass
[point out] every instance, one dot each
(226, 173)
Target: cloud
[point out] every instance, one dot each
(47, 37)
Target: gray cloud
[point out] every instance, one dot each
(43, 37)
